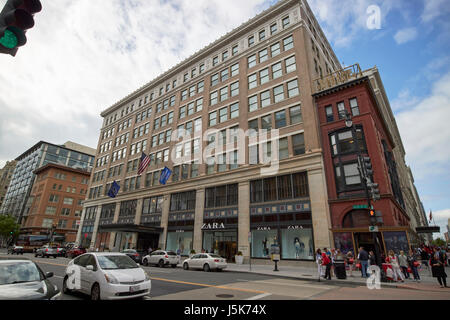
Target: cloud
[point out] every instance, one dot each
(440, 218)
(83, 56)
(425, 131)
(434, 9)
(405, 35)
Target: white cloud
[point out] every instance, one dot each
(434, 9)
(405, 35)
(425, 131)
(83, 56)
(440, 218)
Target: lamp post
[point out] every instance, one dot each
(365, 181)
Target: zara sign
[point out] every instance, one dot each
(213, 226)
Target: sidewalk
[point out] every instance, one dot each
(305, 273)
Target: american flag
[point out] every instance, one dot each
(145, 160)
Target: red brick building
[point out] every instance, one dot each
(357, 96)
(56, 202)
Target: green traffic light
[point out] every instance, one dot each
(9, 40)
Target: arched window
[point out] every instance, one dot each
(356, 219)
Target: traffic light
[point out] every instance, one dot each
(15, 18)
(367, 167)
(372, 212)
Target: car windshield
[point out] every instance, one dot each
(129, 251)
(215, 256)
(116, 262)
(171, 253)
(18, 272)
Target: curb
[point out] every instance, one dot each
(332, 282)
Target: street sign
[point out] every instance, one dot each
(373, 228)
(360, 206)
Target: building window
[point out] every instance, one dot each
(264, 76)
(251, 61)
(283, 148)
(266, 122)
(295, 114)
(212, 118)
(224, 75)
(275, 49)
(234, 50)
(235, 69)
(354, 107)
(265, 99)
(292, 87)
(253, 103)
(234, 89)
(278, 94)
(329, 113)
(290, 64)
(251, 41)
(234, 110)
(252, 81)
(263, 55)
(262, 35)
(273, 28)
(215, 61)
(285, 22)
(341, 110)
(298, 144)
(276, 70)
(224, 94)
(288, 43)
(280, 119)
(223, 114)
(213, 98)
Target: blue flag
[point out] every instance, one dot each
(114, 190)
(165, 174)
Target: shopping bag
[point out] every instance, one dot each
(358, 266)
(409, 270)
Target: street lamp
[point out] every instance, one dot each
(364, 179)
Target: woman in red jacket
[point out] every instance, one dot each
(326, 261)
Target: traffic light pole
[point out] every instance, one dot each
(364, 177)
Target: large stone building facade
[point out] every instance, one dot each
(238, 126)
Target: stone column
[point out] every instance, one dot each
(113, 233)
(164, 221)
(319, 209)
(244, 220)
(198, 219)
(83, 213)
(98, 212)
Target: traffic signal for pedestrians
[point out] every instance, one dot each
(374, 191)
(15, 19)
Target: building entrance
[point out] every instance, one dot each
(223, 243)
(366, 240)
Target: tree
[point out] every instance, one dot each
(9, 228)
(439, 242)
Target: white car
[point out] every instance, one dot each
(205, 261)
(161, 258)
(106, 275)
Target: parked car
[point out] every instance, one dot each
(75, 252)
(161, 258)
(106, 275)
(205, 261)
(133, 254)
(15, 250)
(47, 251)
(24, 280)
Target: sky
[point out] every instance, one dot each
(82, 56)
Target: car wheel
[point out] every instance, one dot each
(206, 268)
(185, 266)
(95, 292)
(145, 262)
(66, 290)
(161, 263)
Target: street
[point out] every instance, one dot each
(179, 284)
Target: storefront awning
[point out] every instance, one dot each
(129, 228)
(435, 229)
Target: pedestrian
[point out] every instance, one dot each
(437, 263)
(414, 264)
(326, 261)
(372, 259)
(393, 260)
(333, 260)
(350, 262)
(403, 262)
(424, 257)
(363, 258)
(319, 263)
(150, 250)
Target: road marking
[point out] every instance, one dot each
(259, 296)
(53, 264)
(208, 285)
(297, 285)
